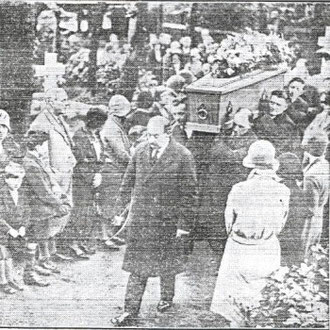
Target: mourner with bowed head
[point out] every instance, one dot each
(255, 214)
(162, 174)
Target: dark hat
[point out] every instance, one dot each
(145, 100)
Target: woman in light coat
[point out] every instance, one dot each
(256, 212)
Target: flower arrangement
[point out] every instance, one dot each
(244, 52)
(297, 297)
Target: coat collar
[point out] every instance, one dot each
(169, 155)
(58, 127)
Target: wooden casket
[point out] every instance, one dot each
(209, 98)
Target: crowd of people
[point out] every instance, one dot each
(128, 176)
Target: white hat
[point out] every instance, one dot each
(4, 119)
(242, 117)
(261, 153)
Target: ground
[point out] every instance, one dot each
(90, 293)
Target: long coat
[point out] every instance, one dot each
(162, 200)
(61, 157)
(281, 131)
(116, 141)
(88, 201)
(45, 198)
(316, 187)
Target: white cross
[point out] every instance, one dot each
(51, 71)
(325, 41)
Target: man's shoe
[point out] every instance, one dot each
(118, 241)
(42, 271)
(124, 320)
(163, 306)
(31, 278)
(61, 257)
(87, 250)
(47, 264)
(15, 285)
(109, 245)
(6, 288)
(78, 253)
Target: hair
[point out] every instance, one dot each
(96, 115)
(161, 122)
(290, 167)
(279, 94)
(35, 138)
(145, 100)
(297, 79)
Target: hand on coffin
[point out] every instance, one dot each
(180, 233)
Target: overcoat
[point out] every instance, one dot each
(45, 198)
(281, 131)
(316, 188)
(116, 141)
(86, 198)
(61, 157)
(163, 198)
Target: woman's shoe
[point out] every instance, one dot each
(6, 288)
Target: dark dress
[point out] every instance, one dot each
(292, 252)
(90, 204)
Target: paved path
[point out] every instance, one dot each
(89, 293)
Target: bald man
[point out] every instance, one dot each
(162, 173)
(60, 156)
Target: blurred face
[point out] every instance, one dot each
(166, 99)
(179, 115)
(156, 136)
(3, 132)
(325, 106)
(59, 103)
(295, 90)
(14, 181)
(277, 105)
(117, 105)
(239, 130)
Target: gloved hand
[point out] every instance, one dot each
(13, 233)
(97, 180)
(118, 221)
(22, 231)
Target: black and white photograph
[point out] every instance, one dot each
(164, 164)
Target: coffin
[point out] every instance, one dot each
(209, 98)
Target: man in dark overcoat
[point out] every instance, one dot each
(277, 127)
(160, 182)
